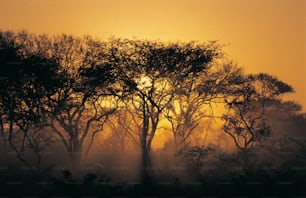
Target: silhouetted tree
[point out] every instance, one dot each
(288, 125)
(86, 97)
(194, 101)
(26, 85)
(154, 71)
(245, 120)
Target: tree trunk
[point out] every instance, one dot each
(146, 165)
(3, 138)
(178, 143)
(145, 157)
(75, 156)
(3, 142)
(245, 160)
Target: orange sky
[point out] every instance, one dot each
(260, 35)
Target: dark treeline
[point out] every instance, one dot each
(61, 94)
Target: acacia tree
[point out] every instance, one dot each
(153, 72)
(26, 85)
(194, 102)
(245, 120)
(86, 98)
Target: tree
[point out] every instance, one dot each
(29, 146)
(80, 99)
(193, 102)
(288, 125)
(245, 120)
(26, 85)
(153, 72)
(86, 98)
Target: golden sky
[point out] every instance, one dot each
(260, 35)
